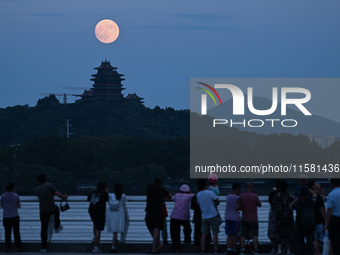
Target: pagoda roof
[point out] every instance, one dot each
(98, 87)
(133, 97)
(113, 74)
(88, 93)
(105, 79)
(105, 65)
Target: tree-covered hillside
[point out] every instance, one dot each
(20, 124)
(75, 161)
(128, 143)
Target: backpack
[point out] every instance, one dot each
(307, 215)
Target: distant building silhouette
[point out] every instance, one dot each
(108, 85)
(134, 97)
(316, 139)
(330, 140)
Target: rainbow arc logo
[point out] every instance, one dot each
(209, 93)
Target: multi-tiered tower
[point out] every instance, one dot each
(107, 85)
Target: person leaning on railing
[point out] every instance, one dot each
(46, 192)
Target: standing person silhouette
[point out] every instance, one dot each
(154, 218)
(320, 215)
(305, 222)
(180, 216)
(10, 202)
(284, 218)
(116, 215)
(208, 200)
(46, 192)
(333, 215)
(249, 202)
(232, 218)
(197, 219)
(97, 211)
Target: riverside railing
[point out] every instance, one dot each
(78, 226)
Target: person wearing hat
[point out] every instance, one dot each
(180, 216)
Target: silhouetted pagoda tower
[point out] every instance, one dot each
(107, 85)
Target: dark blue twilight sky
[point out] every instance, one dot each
(46, 45)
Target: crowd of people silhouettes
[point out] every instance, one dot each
(317, 217)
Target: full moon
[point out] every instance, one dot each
(106, 31)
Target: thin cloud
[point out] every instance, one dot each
(44, 15)
(210, 28)
(199, 22)
(205, 17)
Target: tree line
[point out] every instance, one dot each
(128, 143)
(20, 124)
(137, 161)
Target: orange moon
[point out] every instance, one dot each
(106, 31)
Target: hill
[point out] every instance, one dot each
(129, 143)
(307, 125)
(20, 124)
